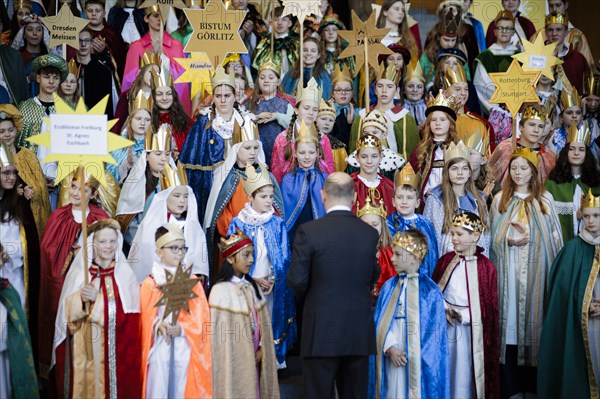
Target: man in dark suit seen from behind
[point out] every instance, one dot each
(333, 269)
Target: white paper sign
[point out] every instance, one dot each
(537, 61)
(78, 134)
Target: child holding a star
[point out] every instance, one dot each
(176, 349)
(107, 303)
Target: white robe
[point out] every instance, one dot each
(10, 238)
(594, 335)
(397, 377)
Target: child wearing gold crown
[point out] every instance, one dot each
(576, 171)
(469, 283)
(307, 108)
(571, 114)
(409, 363)
(413, 92)
(531, 126)
(406, 202)
(591, 106)
(247, 358)
(176, 353)
(69, 89)
(175, 204)
(326, 123)
(526, 239)
(569, 363)
(456, 193)
(271, 257)
(313, 68)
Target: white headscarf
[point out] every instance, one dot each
(129, 288)
(143, 254)
(19, 40)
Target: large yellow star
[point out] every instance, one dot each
(163, 5)
(216, 31)
(515, 87)
(64, 27)
(538, 57)
(356, 38)
(301, 8)
(177, 293)
(197, 71)
(93, 163)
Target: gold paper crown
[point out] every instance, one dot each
(247, 132)
(407, 176)
(528, 154)
(442, 103)
(475, 142)
(369, 209)
(89, 179)
(414, 72)
(408, 243)
(504, 15)
(255, 180)
(150, 58)
(18, 4)
(557, 18)
(6, 156)
(307, 134)
(173, 178)
(469, 221)
(569, 98)
(73, 68)
(152, 9)
(389, 73)
(591, 85)
(10, 112)
(311, 92)
(340, 75)
(220, 77)
(163, 78)
(141, 102)
(375, 119)
(452, 76)
(326, 108)
(589, 201)
(450, 23)
(532, 111)
(269, 65)
(459, 150)
(582, 134)
(173, 233)
(368, 141)
(229, 246)
(159, 141)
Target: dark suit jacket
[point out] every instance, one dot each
(333, 268)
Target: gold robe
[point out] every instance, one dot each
(31, 172)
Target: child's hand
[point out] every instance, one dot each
(350, 116)
(266, 117)
(594, 308)
(452, 315)
(397, 357)
(28, 192)
(264, 284)
(3, 257)
(88, 293)
(168, 330)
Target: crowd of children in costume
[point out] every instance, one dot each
(489, 237)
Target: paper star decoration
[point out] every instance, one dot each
(68, 162)
(301, 8)
(64, 27)
(515, 87)
(163, 6)
(216, 31)
(197, 71)
(356, 37)
(538, 57)
(177, 293)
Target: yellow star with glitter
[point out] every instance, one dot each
(216, 31)
(197, 72)
(69, 162)
(538, 57)
(356, 37)
(301, 8)
(177, 293)
(64, 27)
(163, 6)
(515, 87)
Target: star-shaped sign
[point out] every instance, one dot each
(197, 72)
(538, 57)
(216, 31)
(515, 87)
(301, 8)
(177, 293)
(356, 37)
(64, 27)
(75, 140)
(163, 5)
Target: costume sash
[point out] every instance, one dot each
(587, 299)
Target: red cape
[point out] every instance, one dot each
(385, 188)
(385, 264)
(488, 300)
(60, 234)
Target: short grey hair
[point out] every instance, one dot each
(339, 185)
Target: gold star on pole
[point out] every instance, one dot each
(177, 293)
(197, 72)
(515, 87)
(78, 137)
(538, 57)
(163, 5)
(216, 31)
(64, 27)
(356, 38)
(301, 8)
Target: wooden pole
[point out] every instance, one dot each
(273, 33)
(84, 232)
(367, 79)
(514, 132)
(301, 77)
